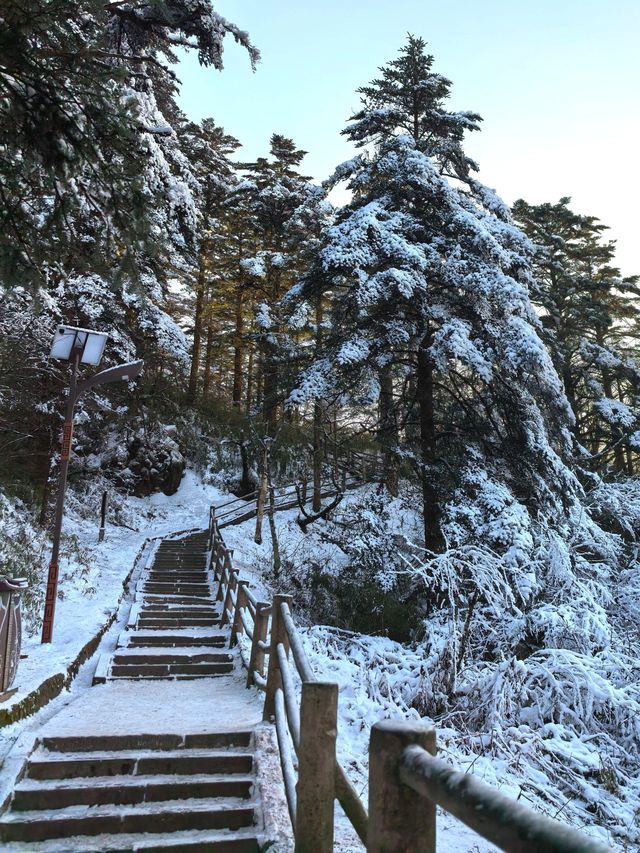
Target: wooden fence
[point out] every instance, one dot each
(406, 780)
(352, 470)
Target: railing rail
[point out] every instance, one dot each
(406, 780)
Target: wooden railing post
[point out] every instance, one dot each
(400, 820)
(316, 787)
(241, 601)
(260, 624)
(228, 599)
(225, 567)
(278, 635)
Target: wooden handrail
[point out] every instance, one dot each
(281, 701)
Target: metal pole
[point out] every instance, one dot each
(67, 434)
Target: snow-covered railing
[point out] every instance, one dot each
(306, 728)
(406, 780)
(353, 470)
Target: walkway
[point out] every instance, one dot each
(167, 751)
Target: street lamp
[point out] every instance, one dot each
(75, 346)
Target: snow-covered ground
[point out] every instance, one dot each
(358, 709)
(92, 574)
(377, 678)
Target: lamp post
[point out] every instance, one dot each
(76, 346)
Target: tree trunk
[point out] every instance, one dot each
(425, 399)
(388, 430)
(238, 351)
(270, 389)
(275, 545)
(262, 495)
(247, 485)
(616, 432)
(317, 456)
(317, 421)
(249, 381)
(197, 332)
(208, 358)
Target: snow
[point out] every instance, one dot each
(92, 574)
(160, 707)
(546, 729)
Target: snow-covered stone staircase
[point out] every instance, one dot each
(174, 626)
(167, 750)
(161, 792)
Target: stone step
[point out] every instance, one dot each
(212, 617)
(176, 640)
(168, 816)
(186, 656)
(31, 794)
(136, 763)
(176, 623)
(154, 611)
(163, 577)
(195, 557)
(177, 588)
(172, 600)
(171, 568)
(192, 841)
(147, 742)
(200, 670)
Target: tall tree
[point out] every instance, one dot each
(288, 215)
(430, 283)
(590, 320)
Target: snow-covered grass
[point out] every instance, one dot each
(541, 699)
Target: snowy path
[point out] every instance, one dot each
(167, 748)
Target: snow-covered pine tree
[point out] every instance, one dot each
(430, 281)
(590, 321)
(209, 149)
(76, 126)
(99, 204)
(288, 215)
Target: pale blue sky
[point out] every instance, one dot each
(557, 82)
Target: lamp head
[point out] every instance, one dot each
(70, 339)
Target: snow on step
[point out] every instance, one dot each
(128, 790)
(160, 754)
(211, 841)
(168, 816)
(174, 595)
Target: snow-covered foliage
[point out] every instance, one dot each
(524, 650)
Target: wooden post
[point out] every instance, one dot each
(400, 820)
(316, 767)
(221, 569)
(103, 516)
(237, 624)
(260, 624)
(228, 599)
(304, 491)
(278, 635)
(225, 567)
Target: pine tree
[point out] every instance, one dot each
(79, 128)
(288, 214)
(590, 320)
(429, 280)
